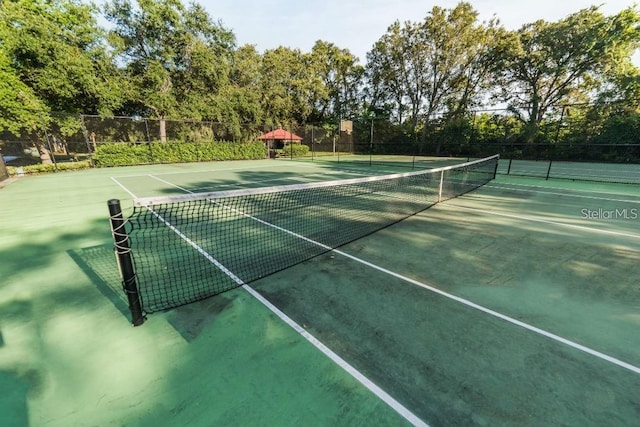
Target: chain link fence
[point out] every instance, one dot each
(576, 133)
(604, 133)
(73, 138)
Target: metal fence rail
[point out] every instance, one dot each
(580, 133)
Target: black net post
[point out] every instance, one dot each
(123, 253)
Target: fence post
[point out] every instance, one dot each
(313, 143)
(146, 126)
(559, 124)
(549, 170)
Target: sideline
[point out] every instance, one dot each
(357, 375)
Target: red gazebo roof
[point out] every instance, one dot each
(280, 134)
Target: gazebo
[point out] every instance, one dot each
(278, 138)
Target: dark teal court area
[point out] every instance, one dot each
(514, 304)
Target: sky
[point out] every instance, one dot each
(357, 24)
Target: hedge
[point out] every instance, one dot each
(124, 154)
(295, 150)
(33, 169)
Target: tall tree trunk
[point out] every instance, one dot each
(3, 170)
(531, 128)
(45, 157)
(163, 129)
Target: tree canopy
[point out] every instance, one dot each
(433, 66)
(57, 52)
(549, 63)
(166, 59)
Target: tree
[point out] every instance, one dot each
(239, 101)
(57, 49)
(434, 66)
(336, 80)
(544, 64)
(176, 57)
(387, 72)
(54, 59)
(20, 108)
(285, 86)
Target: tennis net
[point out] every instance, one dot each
(189, 247)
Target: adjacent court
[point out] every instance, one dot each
(514, 304)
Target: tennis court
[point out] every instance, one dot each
(514, 304)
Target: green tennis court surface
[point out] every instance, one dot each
(515, 304)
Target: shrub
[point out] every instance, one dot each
(123, 154)
(40, 168)
(295, 150)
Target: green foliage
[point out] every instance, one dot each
(428, 67)
(495, 128)
(57, 50)
(335, 81)
(20, 108)
(284, 83)
(176, 57)
(35, 169)
(295, 150)
(123, 154)
(168, 59)
(239, 102)
(549, 63)
(620, 129)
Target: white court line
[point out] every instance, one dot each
(380, 393)
(466, 302)
(571, 168)
(171, 184)
(370, 385)
(553, 193)
(270, 165)
(546, 221)
(494, 313)
(267, 165)
(578, 190)
(242, 184)
(123, 187)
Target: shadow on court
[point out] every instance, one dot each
(100, 266)
(68, 355)
(453, 364)
(251, 179)
(13, 399)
